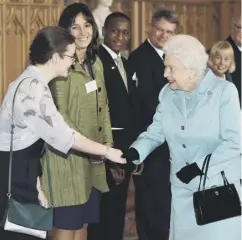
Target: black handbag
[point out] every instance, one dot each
(216, 203)
(27, 218)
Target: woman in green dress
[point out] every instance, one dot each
(77, 178)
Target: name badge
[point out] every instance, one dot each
(91, 86)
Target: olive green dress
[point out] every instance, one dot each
(73, 175)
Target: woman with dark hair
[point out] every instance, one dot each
(36, 120)
(82, 100)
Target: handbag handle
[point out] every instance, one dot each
(11, 153)
(205, 167)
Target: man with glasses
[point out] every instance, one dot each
(152, 187)
(235, 40)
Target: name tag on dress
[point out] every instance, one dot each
(91, 86)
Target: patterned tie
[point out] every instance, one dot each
(121, 69)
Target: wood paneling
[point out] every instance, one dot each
(208, 20)
(19, 22)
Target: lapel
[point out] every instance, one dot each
(157, 65)
(112, 73)
(236, 50)
(95, 68)
(204, 89)
(179, 101)
(129, 80)
(192, 103)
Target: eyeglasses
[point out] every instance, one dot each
(71, 57)
(238, 27)
(163, 31)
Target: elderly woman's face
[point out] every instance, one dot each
(222, 61)
(178, 75)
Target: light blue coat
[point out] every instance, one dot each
(208, 122)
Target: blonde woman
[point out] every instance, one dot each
(221, 60)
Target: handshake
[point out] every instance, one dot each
(186, 174)
(117, 156)
(132, 154)
(129, 156)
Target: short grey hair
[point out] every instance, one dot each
(167, 14)
(189, 51)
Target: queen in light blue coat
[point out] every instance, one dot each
(198, 114)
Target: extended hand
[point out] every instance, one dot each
(132, 154)
(115, 155)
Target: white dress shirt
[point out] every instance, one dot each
(159, 51)
(111, 52)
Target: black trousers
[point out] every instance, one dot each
(153, 198)
(112, 214)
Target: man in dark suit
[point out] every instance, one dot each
(152, 187)
(116, 32)
(235, 40)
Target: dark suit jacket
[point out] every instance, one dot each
(119, 102)
(149, 69)
(228, 77)
(236, 75)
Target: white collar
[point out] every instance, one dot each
(111, 52)
(240, 48)
(159, 51)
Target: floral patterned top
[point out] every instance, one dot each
(35, 115)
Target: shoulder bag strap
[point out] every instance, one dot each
(11, 152)
(206, 171)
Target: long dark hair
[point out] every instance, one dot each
(67, 19)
